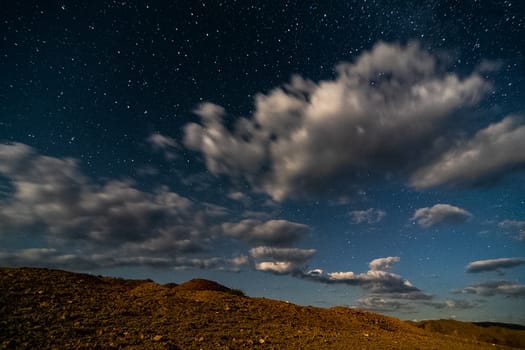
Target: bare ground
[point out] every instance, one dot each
(52, 309)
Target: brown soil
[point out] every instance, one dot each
(51, 309)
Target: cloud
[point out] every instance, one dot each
(493, 264)
(88, 224)
(370, 216)
(489, 153)
(281, 260)
(383, 264)
(440, 213)
(164, 144)
(492, 288)
(380, 116)
(271, 232)
(378, 279)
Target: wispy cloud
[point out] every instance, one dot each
(492, 288)
(165, 144)
(370, 216)
(453, 304)
(440, 213)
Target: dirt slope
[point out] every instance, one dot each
(47, 309)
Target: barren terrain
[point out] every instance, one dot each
(52, 309)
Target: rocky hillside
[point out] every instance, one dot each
(51, 309)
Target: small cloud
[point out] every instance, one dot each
(440, 213)
(370, 216)
(494, 264)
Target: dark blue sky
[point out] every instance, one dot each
(361, 153)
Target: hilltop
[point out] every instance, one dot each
(43, 308)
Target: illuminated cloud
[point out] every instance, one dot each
(379, 115)
(440, 213)
(378, 279)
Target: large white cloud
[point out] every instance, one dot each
(380, 115)
(491, 150)
(440, 213)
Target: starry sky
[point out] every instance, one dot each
(361, 153)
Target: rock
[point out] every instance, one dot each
(157, 338)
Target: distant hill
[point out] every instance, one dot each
(45, 309)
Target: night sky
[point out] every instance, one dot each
(360, 153)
